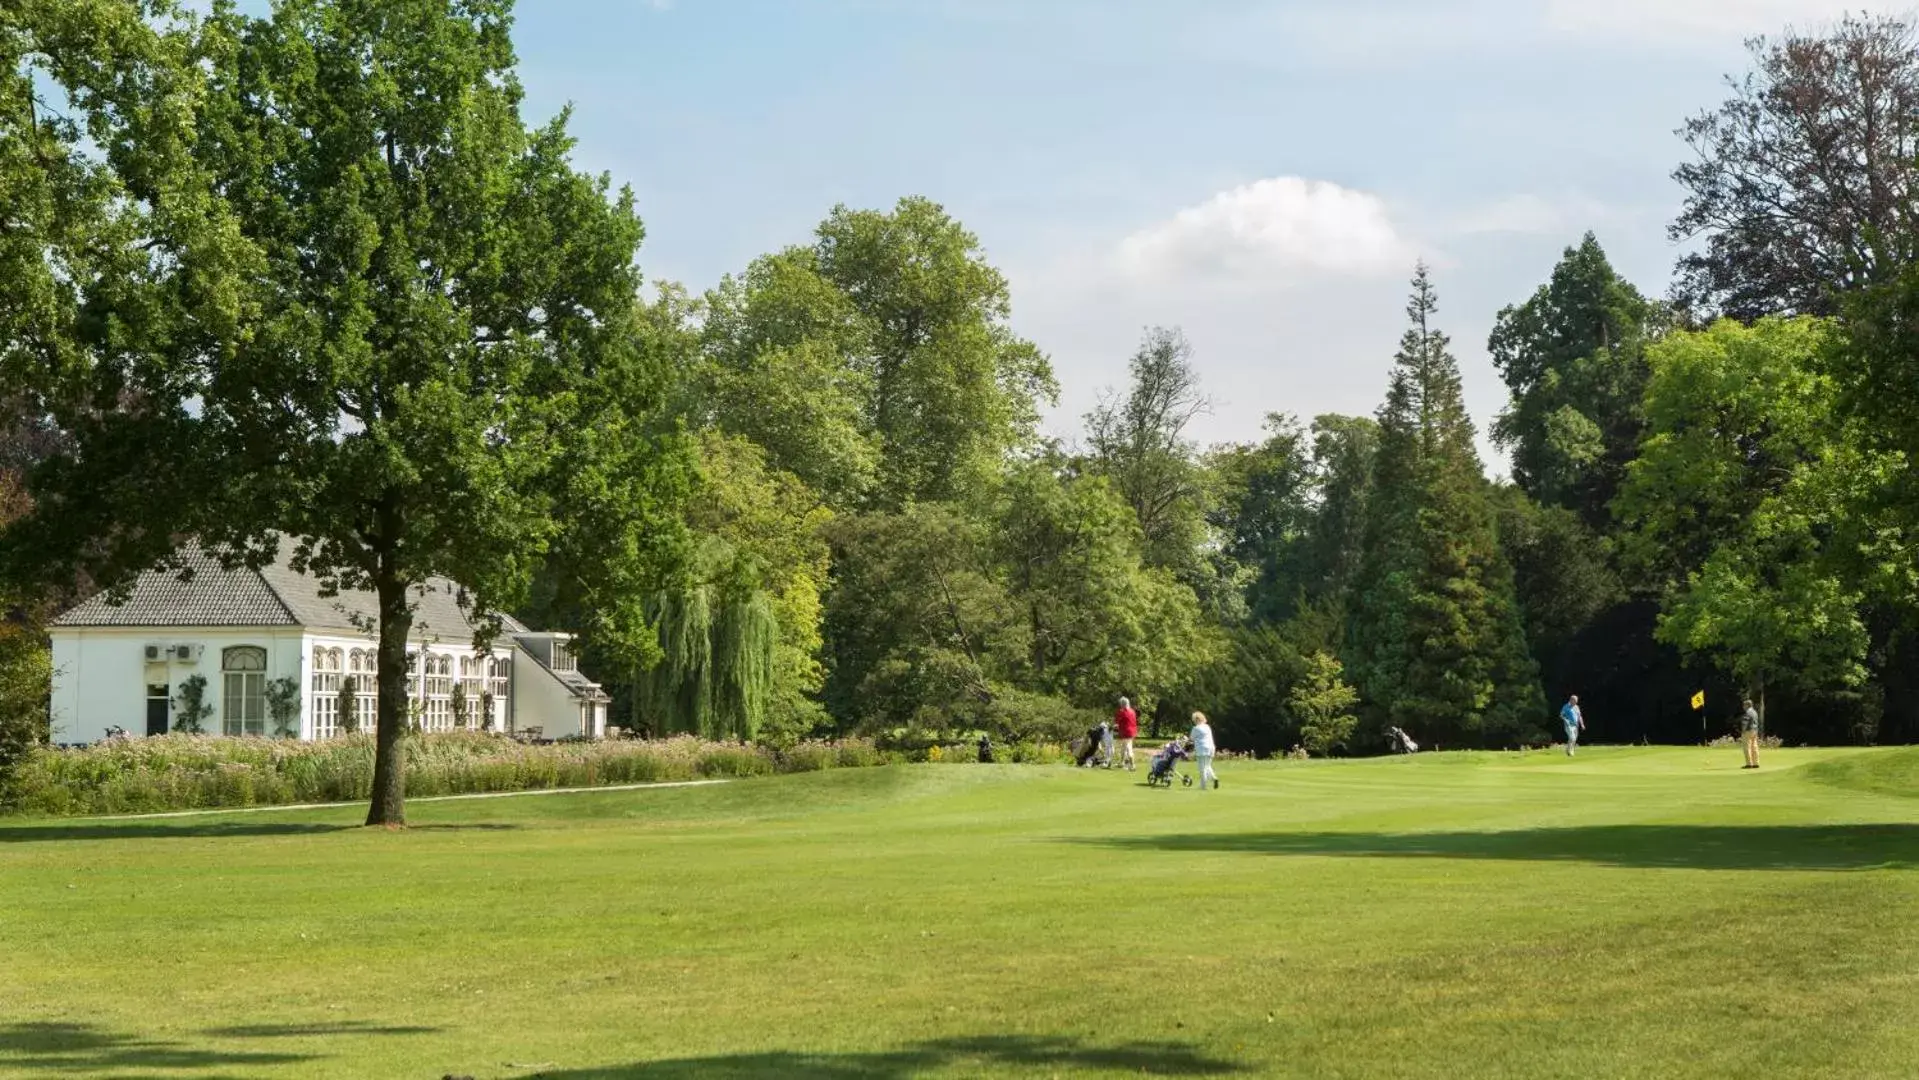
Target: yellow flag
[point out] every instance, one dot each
(1699, 700)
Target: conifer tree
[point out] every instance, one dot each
(1436, 636)
(1574, 357)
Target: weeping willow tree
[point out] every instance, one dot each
(739, 635)
(716, 676)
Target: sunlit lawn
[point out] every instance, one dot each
(1630, 913)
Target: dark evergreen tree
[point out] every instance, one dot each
(1343, 451)
(1574, 357)
(1436, 638)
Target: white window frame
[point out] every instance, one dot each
(437, 712)
(499, 681)
(364, 666)
(472, 687)
(327, 674)
(243, 690)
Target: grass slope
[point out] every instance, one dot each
(1629, 913)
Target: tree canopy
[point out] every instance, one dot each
(1573, 356)
(390, 320)
(1802, 181)
(1437, 636)
(1744, 499)
(307, 273)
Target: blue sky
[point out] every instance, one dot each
(1262, 173)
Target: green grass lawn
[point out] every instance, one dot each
(1630, 913)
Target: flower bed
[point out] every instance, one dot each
(201, 772)
(187, 772)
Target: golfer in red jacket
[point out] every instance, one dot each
(1126, 726)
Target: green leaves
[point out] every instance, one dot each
(876, 365)
(26, 675)
(941, 615)
(781, 349)
(1323, 703)
(345, 294)
(740, 631)
(1436, 633)
(1749, 503)
(1573, 358)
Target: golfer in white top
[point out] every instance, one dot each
(1203, 751)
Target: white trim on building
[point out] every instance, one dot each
(125, 665)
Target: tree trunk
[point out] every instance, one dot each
(389, 760)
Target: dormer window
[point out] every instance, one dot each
(563, 657)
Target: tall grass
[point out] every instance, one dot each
(189, 772)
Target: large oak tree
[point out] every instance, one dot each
(376, 312)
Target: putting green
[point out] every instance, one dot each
(1628, 913)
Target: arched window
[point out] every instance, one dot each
(326, 692)
(437, 714)
(243, 702)
(473, 689)
(363, 666)
(415, 687)
(500, 670)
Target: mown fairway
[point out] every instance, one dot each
(1633, 913)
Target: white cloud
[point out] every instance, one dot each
(1532, 214)
(1293, 295)
(1658, 19)
(1275, 230)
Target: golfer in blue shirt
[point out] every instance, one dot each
(1575, 723)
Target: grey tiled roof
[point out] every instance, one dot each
(212, 596)
(276, 595)
(577, 684)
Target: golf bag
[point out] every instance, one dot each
(1401, 742)
(1162, 770)
(1091, 747)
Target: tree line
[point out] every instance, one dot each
(311, 272)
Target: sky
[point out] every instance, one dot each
(1262, 174)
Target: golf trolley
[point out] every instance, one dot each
(1164, 767)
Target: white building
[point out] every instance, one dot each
(134, 664)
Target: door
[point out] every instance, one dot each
(156, 709)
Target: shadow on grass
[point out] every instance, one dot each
(40, 1049)
(1023, 1052)
(341, 1027)
(1688, 847)
(176, 830)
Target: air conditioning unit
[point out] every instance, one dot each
(187, 654)
(157, 653)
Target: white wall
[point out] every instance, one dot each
(101, 674)
(347, 643)
(542, 701)
(100, 678)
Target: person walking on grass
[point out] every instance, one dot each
(1575, 722)
(1203, 747)
(1749, 727)
(1126, 722)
